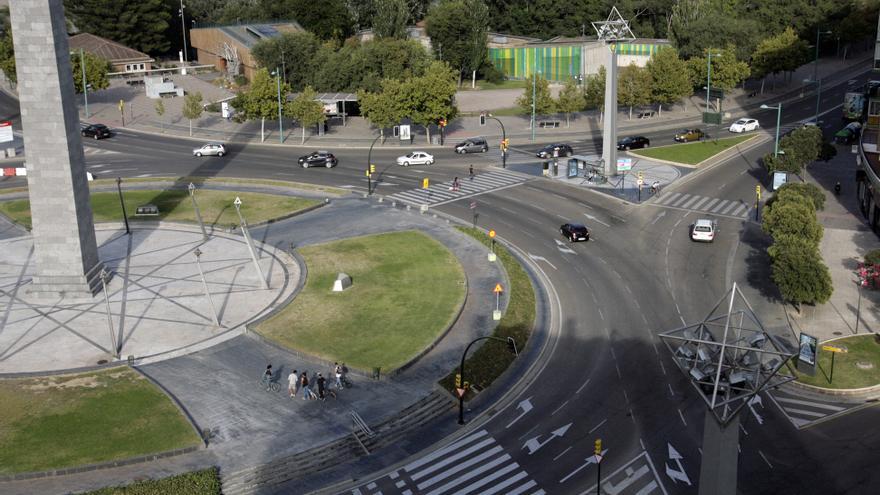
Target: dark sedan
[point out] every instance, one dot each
(633, 143)
(575, 232)
(97, 131)
(318, 159)
(553, 150)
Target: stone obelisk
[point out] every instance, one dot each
(65, 250)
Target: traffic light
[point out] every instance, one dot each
(598, 447)
(511, 345)
(482, 119)
(504, 144)
(457, 380)
(372, 169)
(442, 122)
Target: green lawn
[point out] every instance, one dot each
(73, 420)
(692, 153)
(175, 205)
(861, 348)
(406, 289)
(205, 482)
(488, 362)
(504, 112)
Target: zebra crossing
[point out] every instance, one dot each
(476, 464)
(442, 193)
(637, 477)
(803, 410)
(91, 151)
(735, 208)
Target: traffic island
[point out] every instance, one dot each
(693, 154)
(406, 291)
(65, 421)
(846, 366)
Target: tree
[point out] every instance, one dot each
(798, 271)
(571, 99)
(669, 77)
(306, 109)
(804, 191)
(260, 101)
(159, 108)
(802, 146)
(633, 87)
(327, 19)
(430, 97)
(594, 90)
(390, 19)
(783, 52)
(544, 103)
(793, 218)
(7, 55)
(383, 108)
(295, 53)
(727, 71)
(458, 29)
(96, 72)
(138, 24)
(192, 108)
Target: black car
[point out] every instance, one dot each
(97, 131)
(575, 232)
(473, 145)
(633, 143)
(552, 150)
(318, 159)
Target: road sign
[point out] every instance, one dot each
(237, 201)
(498, 288)
(624, 164)
(461, 391)
(598, 458)
(492, 234)
(835, 348)
(425, 183)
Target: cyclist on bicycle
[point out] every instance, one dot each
(267, 377)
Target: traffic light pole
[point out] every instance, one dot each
(503, 140)
(461, 373)
(369, 163)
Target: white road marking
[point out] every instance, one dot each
(558, 408)
(562, 453)
(680, 415)
(600, 424)
(582, 386)
(765, 459)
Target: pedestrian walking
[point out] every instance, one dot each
(471, 172)
(267, 377)
(321, 385)
(292, 384)
(304, 382)
(455, 184)
(337, 371)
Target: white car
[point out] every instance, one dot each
(415, 158)
(704, 230)
(744, 125)
(210, 149)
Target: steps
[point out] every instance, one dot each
(266, 477)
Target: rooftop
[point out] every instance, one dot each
(106, 49)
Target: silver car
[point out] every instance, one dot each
(210, 149)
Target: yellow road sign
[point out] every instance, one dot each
(498, 288)
(835, 348)
(425, 183)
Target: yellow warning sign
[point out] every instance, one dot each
(498, 288)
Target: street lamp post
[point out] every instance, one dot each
(534, 83)
(503, 139)
(278, 84)
(511, 344)
(85, 83)
(816, 72)
(250, 243)
(105, 276)
(192, 194)
(183, 31)
(198, 253)
(778, 109)
(709, 76)
(122, 203)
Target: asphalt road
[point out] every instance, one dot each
(608, 375)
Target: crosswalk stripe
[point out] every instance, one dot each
(699, 203)
(451, 459)
(445, 450)
(523, 488)
(688, 203)
(669, 199)
(737, 212)
(711, 203)
(458, 467)
(487, 479)
(680, 200)
(469, 474)
(729, 208)
(803, 412)
(811, 404)
(501, 486)
(721, 205)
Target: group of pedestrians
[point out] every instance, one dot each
(313, 387)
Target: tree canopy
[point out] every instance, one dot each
(544, 102)
(390, 18)
(306, 110)
(260, 101)
(96, 72)
(669, 77)
(458, 30)
(138, 24)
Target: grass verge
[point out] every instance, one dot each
(72, 420)
(861, 348)
(174, 205)
(406, 289)
(505, 84)
(503, 112)
(692, 153)
(204, 482)
(489, 361)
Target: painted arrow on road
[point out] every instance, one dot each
(541, 258)
(534, 445)
(756, 400)
(590, 460)
(678, 475)
(563, 248)
(591, 217)
(526, 406)
(658, 217)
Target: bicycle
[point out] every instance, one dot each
(268, 384)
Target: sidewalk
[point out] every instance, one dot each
(140, 114)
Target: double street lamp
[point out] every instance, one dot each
(778, 109)
(277, 75)
(816, 80)
(709, 76)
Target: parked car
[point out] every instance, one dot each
(318, 159)
(97, 131)
(210, 149)
(633, 142)
(688, 135)
(473, 145)
(415, 158)
(744, 125)
(849, 134)
(704, 230)
(560, 149)
(575, 232)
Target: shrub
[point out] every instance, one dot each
(795, 218)
(807, 191)
(213, 107)
(240, 81)
(204, 482)
(872, 257)
(799, 273)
